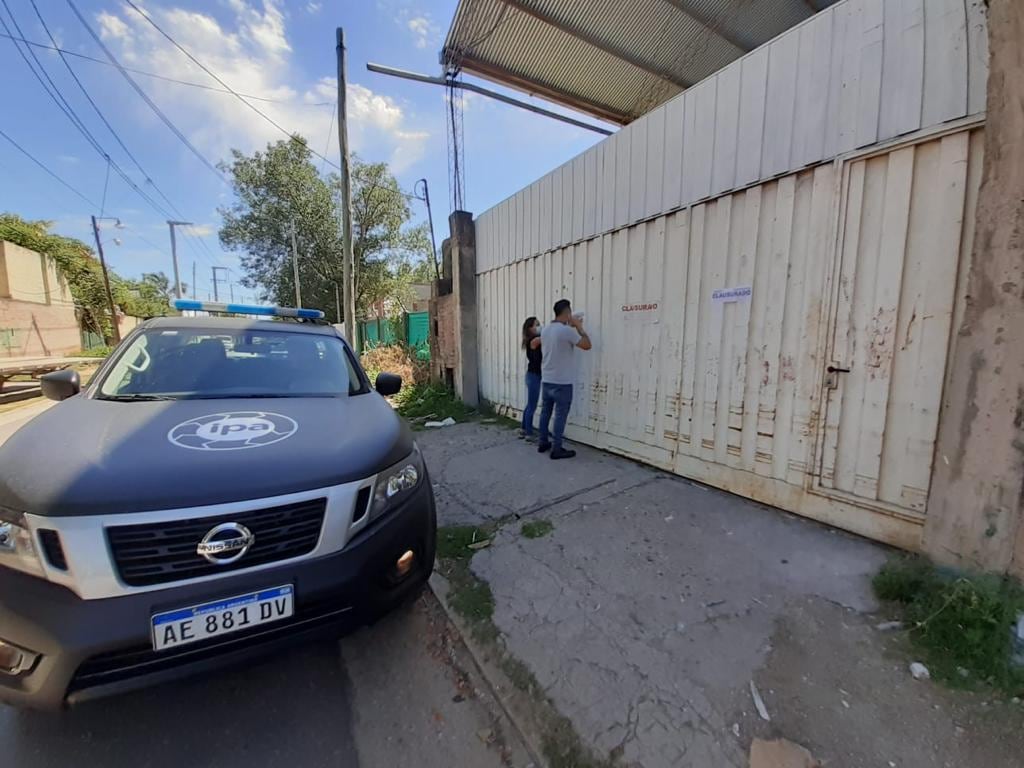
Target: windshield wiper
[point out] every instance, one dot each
(135, 398)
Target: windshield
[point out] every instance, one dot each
(212, 363)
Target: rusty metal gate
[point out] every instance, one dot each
(906, 219)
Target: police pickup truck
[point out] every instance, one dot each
(225, 486)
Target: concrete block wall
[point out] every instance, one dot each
(37, 313)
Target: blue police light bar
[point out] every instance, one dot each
(245, 309)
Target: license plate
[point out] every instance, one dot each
(233, 614)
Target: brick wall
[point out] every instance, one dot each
(447, 340)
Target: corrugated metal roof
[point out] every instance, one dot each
(614, 59)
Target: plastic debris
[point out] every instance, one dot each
(762, 710)
(920, 671)
(889, 626)
(449, 422)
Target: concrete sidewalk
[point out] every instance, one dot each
(654, 604)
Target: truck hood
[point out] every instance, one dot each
(89, 457)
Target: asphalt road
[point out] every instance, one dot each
(403, 692)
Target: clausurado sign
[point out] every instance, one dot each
(653, 307)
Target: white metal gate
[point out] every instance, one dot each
(901, 235)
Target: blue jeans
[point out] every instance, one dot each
(532, 396)
(557, 397)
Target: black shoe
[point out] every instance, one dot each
(543, 447)
(562, 453)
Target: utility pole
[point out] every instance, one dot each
(348, 266)
(193, 280)
(174, 253)
(295, 268)
(430, 218)
(115, 331)
(337, 301)
(216, 295)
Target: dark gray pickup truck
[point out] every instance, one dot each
(223, 487)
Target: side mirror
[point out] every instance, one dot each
(388, 384)
(60, 385)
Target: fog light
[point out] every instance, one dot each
(15, 660)
(404, 564)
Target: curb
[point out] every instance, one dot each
(500, 687)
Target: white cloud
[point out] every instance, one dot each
(251, 52)
(372, 118)
(70, 159)
(202, 230)
(424, 30)
(111, 27)
(314, 8)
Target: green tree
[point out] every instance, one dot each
(148, 297)
(279, 188)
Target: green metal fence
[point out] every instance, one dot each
(411, 328)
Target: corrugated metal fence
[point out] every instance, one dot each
(715, 325)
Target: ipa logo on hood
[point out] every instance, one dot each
(232, 431)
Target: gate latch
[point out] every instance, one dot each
(832, 379)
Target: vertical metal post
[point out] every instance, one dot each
(174, 254)
(215, 296)
(348, 265)
(430, 218)
(193, 280)
(115, 331)
(295, 268)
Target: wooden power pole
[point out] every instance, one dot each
(348, 266)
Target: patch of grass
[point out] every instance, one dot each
(957, 621)
(432, 401)
(470, 596)
(96, 352)
(534, 529)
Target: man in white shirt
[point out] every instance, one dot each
(559, 341)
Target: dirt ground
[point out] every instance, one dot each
(839, 686)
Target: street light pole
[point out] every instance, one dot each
(430, 218)
(174, 253)
(115, 331)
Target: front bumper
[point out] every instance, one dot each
(93, 648)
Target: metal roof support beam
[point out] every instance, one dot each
(708, 20)
(504, 77)
(415, 76)
(602, 45)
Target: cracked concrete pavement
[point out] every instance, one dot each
(652, 605)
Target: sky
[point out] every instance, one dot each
(281, 51)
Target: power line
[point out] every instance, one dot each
(144, 73)
(212, 74)
(102, 117)
(31, 157)
(145, 97)
(54, 92)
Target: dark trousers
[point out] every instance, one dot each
(557, 398)
(532, 396)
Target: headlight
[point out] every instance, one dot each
(396, 483)
(17, 549)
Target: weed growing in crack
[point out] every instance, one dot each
(534, 529)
